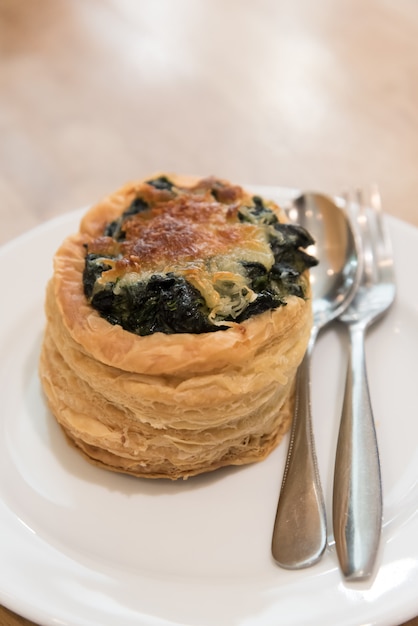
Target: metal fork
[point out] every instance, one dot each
(357, 499)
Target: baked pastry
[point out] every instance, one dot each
(176, 319)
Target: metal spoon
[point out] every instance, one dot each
(300, 530)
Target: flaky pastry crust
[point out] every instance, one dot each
(165, 405)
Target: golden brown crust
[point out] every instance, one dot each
(165, 405)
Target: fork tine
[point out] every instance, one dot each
(358, 209)
(372, 234)
(351, 207)
(375, 198)
(384, 243)
(371, 240)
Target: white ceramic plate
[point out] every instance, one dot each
(82, 546)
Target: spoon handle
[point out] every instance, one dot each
(300, 535)
(357, 500)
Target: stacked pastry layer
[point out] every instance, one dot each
(165, 405)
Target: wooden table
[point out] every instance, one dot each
(308, 94)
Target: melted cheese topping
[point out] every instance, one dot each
(227, 250)
(194, 235)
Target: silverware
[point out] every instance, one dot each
(300, 532)
(357, 499)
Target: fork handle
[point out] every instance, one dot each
(357, 499)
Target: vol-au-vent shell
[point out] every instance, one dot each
(165, 405)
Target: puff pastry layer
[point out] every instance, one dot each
(165, 405)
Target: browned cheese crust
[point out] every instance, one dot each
(165, 405)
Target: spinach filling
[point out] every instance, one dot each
(94, 266)
(283, 279)
(161, 183)
(169, 303)
(115, 228)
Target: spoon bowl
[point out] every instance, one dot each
(337, 276)
(300, 529)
